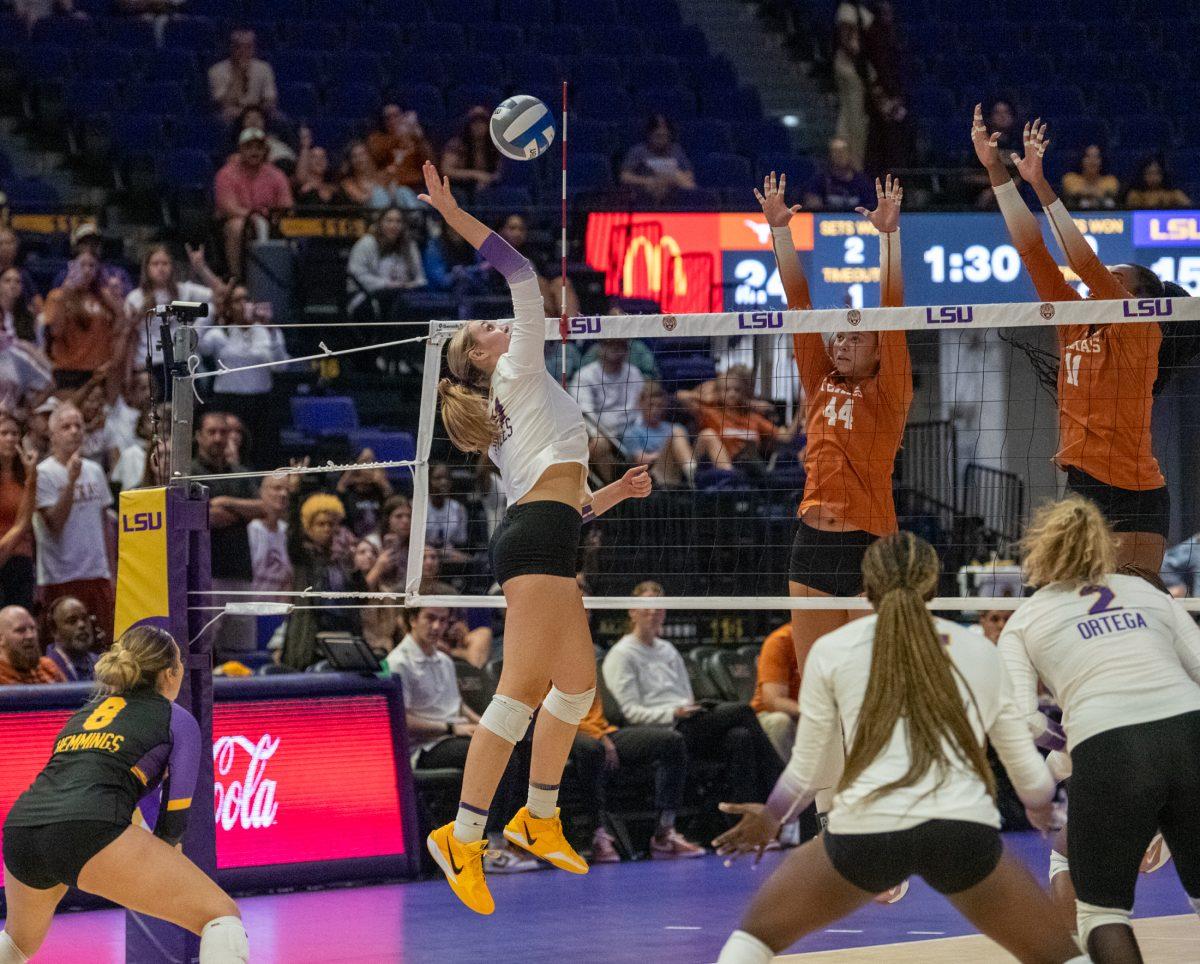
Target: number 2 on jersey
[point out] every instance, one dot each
(1102, 604)
(845, 414)
(104, 714)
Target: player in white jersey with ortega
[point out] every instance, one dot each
(916, 699)
(1123, 661)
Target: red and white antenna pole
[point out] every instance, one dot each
(563, 328)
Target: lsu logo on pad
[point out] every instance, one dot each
(585, 326)
(142, 522)
(1166, 228)
(760, 320)
(1148, 308)
(950, 315)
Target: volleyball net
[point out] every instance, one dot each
(975, 458)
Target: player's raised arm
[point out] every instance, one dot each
(779, 217)
(1079, 254)
(895, 365)
(1022, 225)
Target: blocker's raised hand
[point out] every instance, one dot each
(771, 198)
(1036, 144)
(983, 142)
(888, 197)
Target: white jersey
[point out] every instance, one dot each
(831, 698)
(540, 424)
(1114, 654)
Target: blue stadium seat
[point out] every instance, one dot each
(444, 38)
(618, 38)
(69, 32)
(273, 9)
(337, 11)
(133, 33)
(159, 97)
(186, 167)
(503, 197)
(705, 71)
(353, 100)
(51, 60)
(931, 100)
(603, 102)
(767, 136)
(389, 445)
(386, 39)
(646, 71)
(474, 70)
(107, 62)
(209, 134)
(799, 169)
(590, 68)
(216, 9)
(84, 97)
(524, 12)
(6, 167)
(172, 63)
(589, 172)
(425, 99)
(588, 12)
(533, 68)
(299, 66)
(359, 66)
(138, 134)
(461, 99)
(677, 102)
(683, 40)
(1079, 132)
(418, 66)
(315, 34)
(560, 39)
(592, 136)
(318, 415)
(195, 33)
(334, 134)
(652, 11)
(462, 11)
(724, 172)
(735, 104)
(299, 100)
(1184, 168)
(497, 40)
(1146, 133)
(400, 11)
(31, 194)
(706, 135)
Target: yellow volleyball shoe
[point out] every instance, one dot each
(463, 866)
(543, 837)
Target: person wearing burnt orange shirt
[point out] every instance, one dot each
(777, 690)
(1106, 372)
(857, 390)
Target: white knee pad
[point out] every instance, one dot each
(9, 952)
(223, 941)
(569, 707)
(1088, 917)
(1058, 864)
(743, 948)
(507, 718)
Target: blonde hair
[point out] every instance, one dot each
(318, 503)
(1070, 542)
(647, 587)
(136, 659)
(912, 677)
(466, 398)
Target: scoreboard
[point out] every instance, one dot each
(700, 262)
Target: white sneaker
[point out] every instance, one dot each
(1157, 854)
(504, 860)
(892, 896)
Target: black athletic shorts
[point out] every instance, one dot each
(53, 854)
(829, 562)
(536, 539)
(949, 855)
(1127, 510)
(1127, 783)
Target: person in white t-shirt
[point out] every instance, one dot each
(268, 538)
(71, 525)
(158, 287)
(608, 390)
(916, 699)
(446, 517)
(123, 415)
(1123, 660)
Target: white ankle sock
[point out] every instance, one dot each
(543, 800)
(469, 824)
(223, 941)
(743, 948)
(9, 952)
(1195, 902)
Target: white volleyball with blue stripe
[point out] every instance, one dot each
(522, 128)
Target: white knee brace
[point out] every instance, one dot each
(9, 952)
(1088, 917)
(223, 941)
(568, 707)
(507, 718)
(1058, 864)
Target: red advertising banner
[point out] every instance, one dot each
(296, 780)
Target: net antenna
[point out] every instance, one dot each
(177, 382)
(563, 326)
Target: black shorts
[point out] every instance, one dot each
(1127, 783)
(830, 562)
(46, 856)
(949, 855)
(1127, 510)
(536, 539)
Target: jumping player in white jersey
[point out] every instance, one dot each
(1123, 662)
(501, 400)
(917, 698)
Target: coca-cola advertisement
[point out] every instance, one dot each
(295, 780)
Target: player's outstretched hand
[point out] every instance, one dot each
(771, 198)
(1030, 166)
(886, 216)
(437, 191)
(751, 834)
(983, 142)
(637, 482)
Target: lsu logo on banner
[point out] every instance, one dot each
(142, 585)
(761, 321)
(1164, 229)
(1147, 308)
(584, 326)
(950, 315)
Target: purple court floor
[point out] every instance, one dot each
(635, 912)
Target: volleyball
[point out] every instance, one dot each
(522, 128)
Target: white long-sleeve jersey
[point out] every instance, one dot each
(1114, 654)
(831, 698)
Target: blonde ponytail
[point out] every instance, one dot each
(466, 398)
(912, 677)
(136, 659)
(1069, 542)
